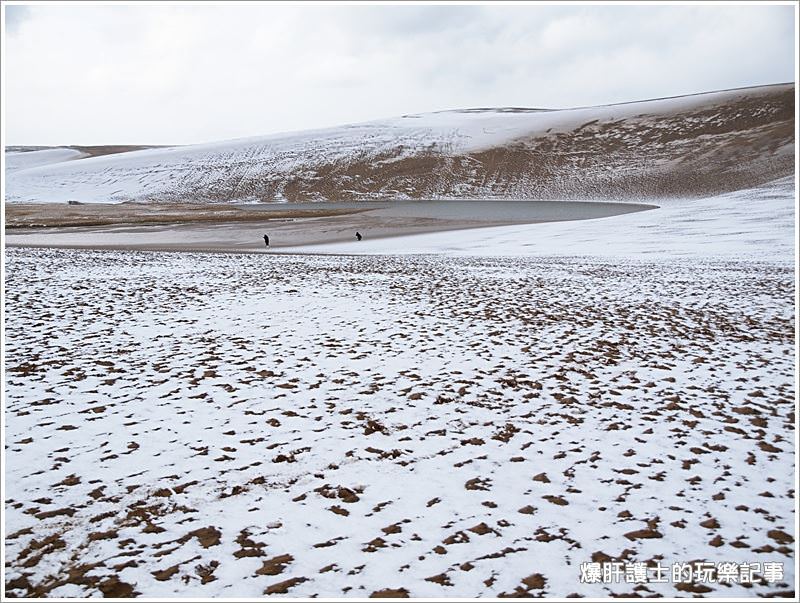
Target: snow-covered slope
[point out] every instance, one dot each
(23, 160)
(686, 146)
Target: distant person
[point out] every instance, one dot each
(266, 240)
(358, 236)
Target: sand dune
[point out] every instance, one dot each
(689, 146)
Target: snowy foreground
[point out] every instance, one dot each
(233, 425)
(221, 425)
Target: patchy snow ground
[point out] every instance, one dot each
(225, 425)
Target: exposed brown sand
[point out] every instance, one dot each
(39, 215)
(190, 227)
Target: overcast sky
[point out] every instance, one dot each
(181, 74)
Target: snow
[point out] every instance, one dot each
(25, 160)
(473, 421)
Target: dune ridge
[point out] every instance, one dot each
(690, 146)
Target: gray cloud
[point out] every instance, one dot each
(87, 74)
(16, 15)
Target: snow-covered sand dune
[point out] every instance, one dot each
(687, 147)
(435, 415)
(25, 160)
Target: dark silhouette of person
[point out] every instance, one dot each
(358, 235)
(266, 240)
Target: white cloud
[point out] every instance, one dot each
(178, 74)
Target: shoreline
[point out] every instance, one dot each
(272, 250)
(223, 229)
